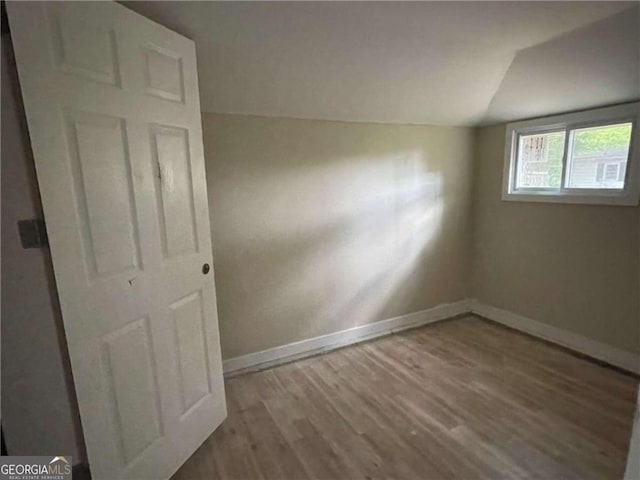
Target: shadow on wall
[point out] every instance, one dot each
(314, 233)
(39, 407)
(592, 66)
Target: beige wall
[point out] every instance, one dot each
(39, 414)
(321, 226)
(572, 266)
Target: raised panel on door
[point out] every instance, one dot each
(103, 191)
(189, 331)
(131, 380)
(170, 151)
(164, 75)
(83, 46)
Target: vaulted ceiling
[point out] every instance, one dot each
(442, 63)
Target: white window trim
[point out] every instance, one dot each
(629, 196)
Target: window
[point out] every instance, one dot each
(585, 157)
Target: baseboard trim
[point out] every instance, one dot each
(305, 348)
(601, 351)
(313, 346)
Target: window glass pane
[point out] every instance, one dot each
(598, 156)
(540, 160)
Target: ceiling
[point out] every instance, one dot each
(440, 63)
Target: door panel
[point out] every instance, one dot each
(189, 332)
(102, 187)
(163, 74)
(113, 110)
(135, 394)
(170, 147)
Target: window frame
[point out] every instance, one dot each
(601, 117)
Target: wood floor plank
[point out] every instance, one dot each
(465, 398)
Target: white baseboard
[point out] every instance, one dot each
(312, 346)
(601, 351)
(304, 348)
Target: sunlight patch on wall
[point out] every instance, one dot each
(360, 226)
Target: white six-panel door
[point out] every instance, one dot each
(114, 118)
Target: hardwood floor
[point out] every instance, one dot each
(464, 398)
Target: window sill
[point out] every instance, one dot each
(618, 198)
